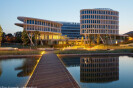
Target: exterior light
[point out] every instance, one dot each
(116, 42)
(85, 62)
(130, 38)
(43, 52)
(15, 48)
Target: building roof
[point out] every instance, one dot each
(100, 9)
(21, 18)
(130, 33)
(74, 23)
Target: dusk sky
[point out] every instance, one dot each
(61, 10)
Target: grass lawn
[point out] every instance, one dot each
(20, 52)
(96, 51)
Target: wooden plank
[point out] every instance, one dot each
(51, 73)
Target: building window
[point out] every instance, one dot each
(28, 22)
(32, 21)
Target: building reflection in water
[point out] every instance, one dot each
(27, 67)
(99, 69)
(70, 61)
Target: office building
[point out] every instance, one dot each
(49, 31)
(71, 30)
(99, 25)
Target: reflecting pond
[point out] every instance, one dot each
(16, 71)
(101, 71)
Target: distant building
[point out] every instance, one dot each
(71, 29)
(130, 33)
(18, 34)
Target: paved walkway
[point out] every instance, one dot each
(51, 73)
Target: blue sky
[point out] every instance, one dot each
(61, 10)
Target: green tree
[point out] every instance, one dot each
(25, 38)
(18, 36)
(1, 34)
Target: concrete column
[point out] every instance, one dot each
(52, 36)
(115, 39)
(31, 39)
(98, 36)
(44, 35)
(124, 38)
(47, 36)
(94, 38)
(50, 26)
(25, 27)
(85, 39)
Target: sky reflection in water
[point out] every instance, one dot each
(101, 72)
(15, 72)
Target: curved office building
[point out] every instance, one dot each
(98, 24)
(49, 30)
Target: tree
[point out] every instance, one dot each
(9, 35)
(3, 37)
(91, 38)
(25, 38)
(1, 33)
(9, 38)
(36, 35)
(18, 36)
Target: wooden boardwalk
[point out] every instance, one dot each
(51, 73)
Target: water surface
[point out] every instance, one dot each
(101, 71)
(16, 71)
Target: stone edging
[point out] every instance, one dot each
(97, 54)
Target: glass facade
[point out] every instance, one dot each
(48, 30)
(99, 21)
(72, 30)
(42, 25)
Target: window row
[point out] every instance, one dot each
(99, 12)
(100, 69)
(70, 28)
(100, 60)
(100, 65)
(41, 23)
(99, 31)
(99, 17)
(102, 75)
(42, 29)
(100, 26)
(99, 79)
(73, 31)
(99, 22)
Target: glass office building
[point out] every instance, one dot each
(99, 24)
(48, 30)
(71, 29)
